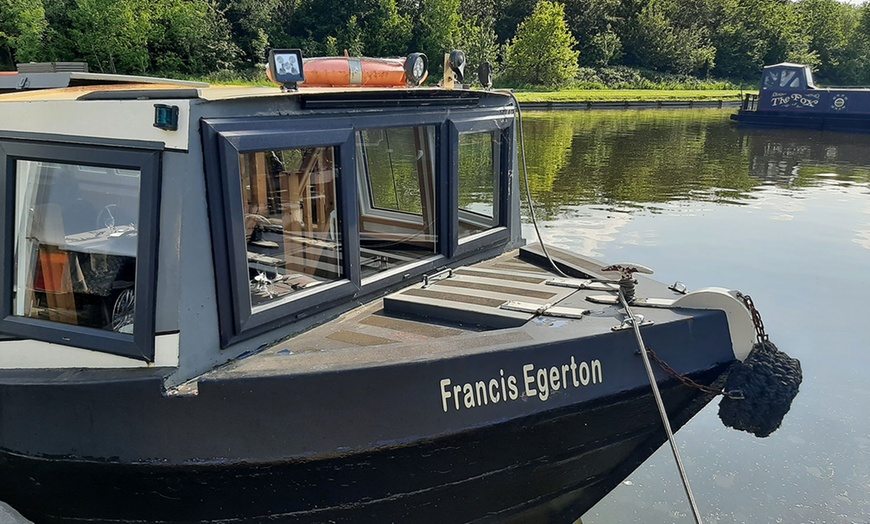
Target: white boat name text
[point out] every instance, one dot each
(534, 382)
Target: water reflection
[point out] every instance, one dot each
(631, 159)
(783, 215)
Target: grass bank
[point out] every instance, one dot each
(629, 95)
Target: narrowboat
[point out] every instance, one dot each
(788, 97)
(264, 304)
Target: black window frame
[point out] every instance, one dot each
(225, 139)
(225, 143)
(498, 234)
(143, 157)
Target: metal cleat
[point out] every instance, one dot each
(545, 309)
(627, 284)
(578, 283)
(628, 269)
(628, 323)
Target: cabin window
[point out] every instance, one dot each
(396, 178)
(314, 210)
(291, 222)
(75, 244)
(478, 182)
(783, 78)
(79, 256)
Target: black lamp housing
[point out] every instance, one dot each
(484, 74)
(286, 68)
(416, 68)
(457, 64)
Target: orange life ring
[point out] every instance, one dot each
(347, 71)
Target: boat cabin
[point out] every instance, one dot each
(152, 215)
(786, 76)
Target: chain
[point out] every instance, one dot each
(736, 395)
(756, 317)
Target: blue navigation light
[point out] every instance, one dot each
(166, 117)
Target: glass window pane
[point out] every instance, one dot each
(75, 244)
(291, 223)
(477, 182)
(397, 196)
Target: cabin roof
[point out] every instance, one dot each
(785, 64)
(209, 93)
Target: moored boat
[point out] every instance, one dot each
(788, 97)
(314, 304)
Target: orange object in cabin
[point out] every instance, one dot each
(346, 71)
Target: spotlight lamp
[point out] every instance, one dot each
(286, 68)
(416, 69)
(484, 74)
(457, 64)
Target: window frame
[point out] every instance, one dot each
(499, 233)
(225, 143)
(225, 139)
(124, 155)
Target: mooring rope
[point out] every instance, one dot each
(525, 175)
(661, 405)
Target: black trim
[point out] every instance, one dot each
(223, 172)
(139, 345)
(82, 140)
(498, 234)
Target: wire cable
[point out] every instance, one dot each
(661, 406)
(525, 175)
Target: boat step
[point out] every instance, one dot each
(475, 297)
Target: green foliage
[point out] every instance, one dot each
(437, 30)
(604, 48)
(622, 77)
(190, 38)
(22, 25)
(112, 35)
(350, 38)
(591, 22)
(755, 33)
(478, 40)
(541, 42)
(254, 24)
(829, 26)
(543, 50)
(655, 41)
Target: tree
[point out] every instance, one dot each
(591, 21)
(190, 37)
(22, 25)
(829, 25)
(254, 24)
(654, 41)
(478, 39)
(542, 52)
(112, 34)
(755, 33)
(437, 29)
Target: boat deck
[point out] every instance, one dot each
(461, 314)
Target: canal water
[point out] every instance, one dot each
(782, 215)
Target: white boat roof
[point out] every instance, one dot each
(83, 86)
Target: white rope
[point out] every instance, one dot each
(658, 396)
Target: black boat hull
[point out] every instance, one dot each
(562, 463)
(817, 121)
(537, 428)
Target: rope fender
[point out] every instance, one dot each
(769, 380)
